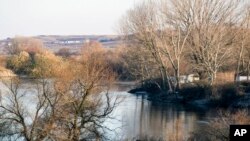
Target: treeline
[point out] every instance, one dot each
(29, 57)
(170, 38)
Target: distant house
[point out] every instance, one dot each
(71, 40)
(189, 78)
(242, 78)
(186, 78)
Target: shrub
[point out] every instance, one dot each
(45, 65)
(64, 52)
(218, 129)
(225, 94)
(197, 90)
(21, 63)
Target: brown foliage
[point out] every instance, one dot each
(70, 107)
(64, 52)
(29, 45)
(218, 129)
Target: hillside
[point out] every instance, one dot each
(73, 42)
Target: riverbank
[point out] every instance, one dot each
(200, 94)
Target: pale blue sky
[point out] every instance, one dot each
(61, 17)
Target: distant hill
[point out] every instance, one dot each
(73, 42)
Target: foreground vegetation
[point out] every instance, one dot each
(70, 98)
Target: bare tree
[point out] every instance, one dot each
(30, 45)
(19, 121)
(93, 77)
(205, 30)
(142, 25)
(70, 107)
(211, 39)
(161, 34)
(173, 38)
(243, 52)
(141, 64)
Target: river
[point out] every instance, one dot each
(137, 118)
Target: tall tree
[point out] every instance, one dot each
(142, 25)
(243, 51)
(211, 38)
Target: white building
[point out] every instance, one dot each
(189, 78)
(242, 78)
(186, 78)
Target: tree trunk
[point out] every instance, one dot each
(163, 78)
(177, 85)
(213, 77)
(248, 70)
(177, 80)
(238, 65)
(75, 134)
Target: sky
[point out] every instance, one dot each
(61, 17)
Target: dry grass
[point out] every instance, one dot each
(218, 129)
(225, 77)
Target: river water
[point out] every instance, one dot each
(137, 118)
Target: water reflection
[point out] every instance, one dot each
(139, 118)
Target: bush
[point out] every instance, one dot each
(197, 90)
(21, 63)
(217, 130)
(45, 65)
(64, 52)
(34, 65)
(224, 95)
(245, 86)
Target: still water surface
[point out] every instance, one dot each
(137, 117)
